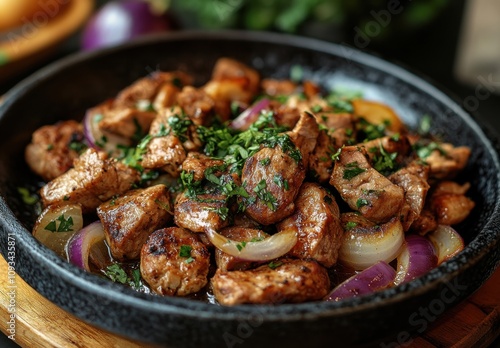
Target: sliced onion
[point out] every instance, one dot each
(119, 21)
(244, 120)
(364, 246)
(79, 246)
(95, 137)
(446, 241)
(377, 277)
(417, 258)
(49, 231)
(268, 249)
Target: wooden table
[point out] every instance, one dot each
(473, 323)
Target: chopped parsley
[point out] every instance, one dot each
(383, 161)
(425, 125)
(50, 147)
(185, 251)
(221, 211)
(351, 170)
(361, 202)
(241, 245)
(164, 205)
(265, 161)
(282, 183)
(350, 225)
(256, 239)
(27, 197)
(424, 151)
(145, 105)
(316, 108)
(116, 274)
(296, 73)
(370, 131)
(64, 225)
(179, 126)
(264, 195)
(274, 264)
(78, 146)
(336, 155)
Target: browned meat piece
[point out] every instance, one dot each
(449, 206)
(226, 262)
(166, 97)
(147, 88)
(197, 105)
(196, 214)
(276, 88)
(413, 180)
(391, 145)
(304, 135)
(273, 180)
(129, 219)
(425, 222)
(197, 163)
(174, 262)
(94, 179)
(340, 127)
(447, 162)
(242, 220)
(52, 149)
(165, 150)
(284, 115)
(320, 161)
(317, 224)
(452, 187)
(281, 281)
(231, 81)
(127, 122)
(365, 189)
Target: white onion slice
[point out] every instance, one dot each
(446, 241)
(244, 120)
(377, 277)
(268, 249)
(99, 140)
(417, 258)
(362, 247)
(79, 246)
(56, 224)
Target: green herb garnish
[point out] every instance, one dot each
(351, 170)
(361, 202)
(274, 264)
(64, 225)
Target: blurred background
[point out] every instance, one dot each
(455, 43)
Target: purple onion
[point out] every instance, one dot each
(244, 120)
(376, 277)
(120, 21)
(417, 258)
(78, 248)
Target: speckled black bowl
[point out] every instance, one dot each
(66, 88)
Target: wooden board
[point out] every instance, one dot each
(39, 323)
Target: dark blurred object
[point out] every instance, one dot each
(119, 21)
(332, 20)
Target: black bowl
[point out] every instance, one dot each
(66, 88)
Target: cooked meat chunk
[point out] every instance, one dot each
(363, 188)
(449, 206)
(127, 122)
(231, 81)
(284, 115)
(267, 175)
(197, 163)
(304, 135)
(311, 89)
(320, 161)
(447, 161)
(413, 180)
(94, 179)
(147, 88)
(197, 105)
(340, 127)
(52, 149)
(198, 214)
(282, 281)
(276, 88)
(166, 97)
(425, 222)
(165, 149)
(387, 153)
(317, 224)
(174, 262)
(129, 219)
(226, 262)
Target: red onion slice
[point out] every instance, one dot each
(79, 245)
(268, 249)
(417, 258)
(377, 277)
(99, 140)
(244, 120)
(362, 247)
(446, 241)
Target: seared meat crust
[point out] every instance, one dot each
(292, 281)
(174, 262)
(129, 219)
